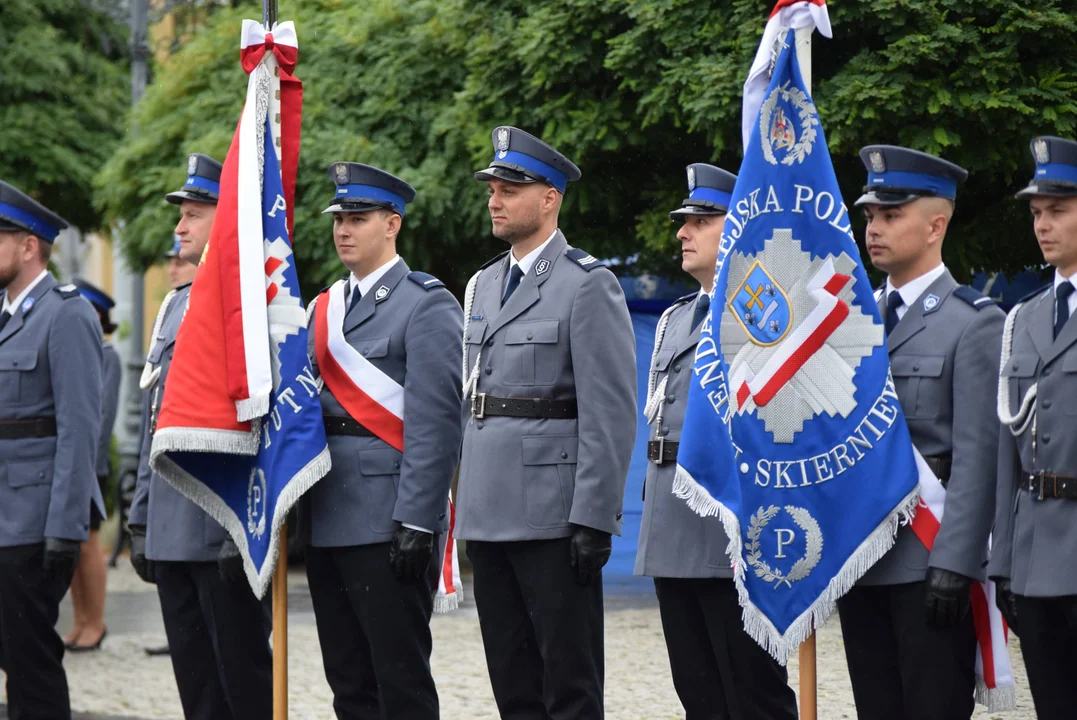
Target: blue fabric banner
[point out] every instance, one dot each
(794, 435)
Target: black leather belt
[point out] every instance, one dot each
(338, 425)
(940, 465)
(1046, 484)
(41, 427)
(483, 405)
(661, 451)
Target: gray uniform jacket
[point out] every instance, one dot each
(176, 528)
(944, 359)
(50, 366)
(673, 540)
(111, 370)
(409, 327)
(1035, 541)
(565, 333)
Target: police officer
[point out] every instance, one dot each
(1035, 537)
(214, 623)
(718, 669)
(50, 413)
(909, 636)
(375, 518)
(88, 584)
(550, 418)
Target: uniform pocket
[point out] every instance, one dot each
(13, 378)
(919, 383)
(25, 474)
(380, 469)
(549, 479)
(531, 353)
(1019, 373)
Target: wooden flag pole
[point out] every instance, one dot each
(280, 630)
(809, 704)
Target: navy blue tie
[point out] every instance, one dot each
(893, 302)
(1062, 305)
(702, 305)
(4, 317)
(356, 297)
(514, 282)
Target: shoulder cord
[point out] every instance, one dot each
(1026, 413)
(150, 373)
(656, 390)
(470, 382)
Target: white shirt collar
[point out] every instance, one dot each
(911, 291)
(367, 283)
(529, 259)
(1060, 278)
(11, 304)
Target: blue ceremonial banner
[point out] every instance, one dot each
(793, 434)
(240, 429)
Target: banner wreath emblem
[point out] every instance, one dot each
(813, 551)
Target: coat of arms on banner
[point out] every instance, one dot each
(787, 125)
(790, 377)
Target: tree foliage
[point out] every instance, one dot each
(65, 91)
(632, 90)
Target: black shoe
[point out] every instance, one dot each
(76, 648)
(152, 651)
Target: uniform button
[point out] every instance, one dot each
(664, 430)
(490, 342)
(677, 368)
(480, 424)
(670, 398)
(1015, 366)
(1046, 404)
(1046, 438)
(396, 464)
(564, 455)
(530, 336)
(916, 368)
(469, 336)
(1046, 371)
(489, 370)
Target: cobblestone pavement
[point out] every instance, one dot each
(121, 680)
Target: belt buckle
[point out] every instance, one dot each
(478, 405)
(661, 459)
(1032, 485)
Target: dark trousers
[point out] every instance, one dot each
(719, 671)
(541, 630)
(1048, 641)
(216, 635)
(31, 653)
(374, 632)
(901, 667)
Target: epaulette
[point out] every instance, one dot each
(583, 259)
(425, 280)
(67, 291)
(494, 259)
(686, 298)
(973, 297)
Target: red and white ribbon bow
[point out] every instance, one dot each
(281, 41)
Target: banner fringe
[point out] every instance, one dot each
(996, 699)
(195, 490)
(446, 603)
(231, 442)
(782, 646)
(253, 408)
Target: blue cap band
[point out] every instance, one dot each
(1057, 171)
(941, 186)
(32, 222)
(96, 298)
(371, 193)
(203, 183)
(711, 195)
(554, 176)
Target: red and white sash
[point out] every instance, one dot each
(376, 401)
(995, 687)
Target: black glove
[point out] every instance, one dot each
(410, 554)
(1006, 602)
(61, 557)
(230, 563)
(142, 566)
(947, 598)
(589, 551)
